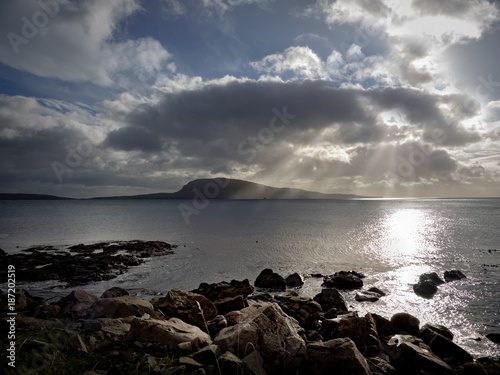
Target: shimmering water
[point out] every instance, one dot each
(391, 241)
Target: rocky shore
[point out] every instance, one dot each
(81, 264)
(230, 328)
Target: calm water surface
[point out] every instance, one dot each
(391, 241)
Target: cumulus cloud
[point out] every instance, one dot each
(76, 41)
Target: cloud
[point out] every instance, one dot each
(77, 41)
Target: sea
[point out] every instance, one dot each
(391, 241)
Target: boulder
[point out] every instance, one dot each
(453, 275)
(379, 366)
(425, 289)
(27, 303)
(385, 328)
(363, 332)
(167, 332)
(495, 337)
(120, 307)
(367, 296)
(343, 280)
(442, 330)
(255, 363)
(410, 354)
(268, 279)
(207, 355)
(266, 328)
(223, 290)
(115, 292)
(331, 299)
(228, 304)
(446, 349)
(305, 310)
(115, 327)
(231, 364)
(186, 306)
(337, 356)
(77, 303)
(404, 322)
(377, 290)
(216, 325)
(294, 280)
(432, 277)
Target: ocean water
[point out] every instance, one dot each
(391, 241)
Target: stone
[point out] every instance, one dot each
(444, 348)
(364, 296)
(472, 368)
(115, 292)
(442, 330)
(425, 289)
(266, 328)
(115, 327)
(120, 307)
(26, 303)
(77, 303)
(363, 332)
(167, 332)
(216, 325)
(379, 366)
(28, 323)
(222, 290)
(432, 277)
(189, 362)
(294, 280)
(255, 363)
(338, 356)
(305, 310)
(404, 322)
(331, 299)
(495, 337)
(230, 364)
(229, 304)
(410, 354)
(207, 355)
(491, 366)
(47, 311)
(268, 279)
(343, 280)
(453, 275)
(186, 306)
(377, 290)
(314, 335)
(385, 328)
(174, 370)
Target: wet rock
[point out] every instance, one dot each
(385, 328)
(337, 356)
(377, 290)
(425, 289)
(223, 290)
(491, 366)
(268, 279)
(495, 337)
(266, 328)
(442, 330)
(453, 275)
(331, 299)
(77, 303)
(120, 307)
(343, 280)
(367, 296)
(184, 305)
(167, 332)
(305, 310)
(445, 348)
(115, 292)
(432, 277)
(294, 280)
(404, 322)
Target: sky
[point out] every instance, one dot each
(371, 97)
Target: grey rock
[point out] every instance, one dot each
(268, 279)
(294, 280)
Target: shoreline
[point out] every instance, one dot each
(119, 323)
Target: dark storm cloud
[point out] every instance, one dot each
(132, 138)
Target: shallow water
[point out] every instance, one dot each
(391, 241)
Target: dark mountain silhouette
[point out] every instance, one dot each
(6, 196)
(222, 188)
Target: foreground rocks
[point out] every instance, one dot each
(83, 263)
(227, 328)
